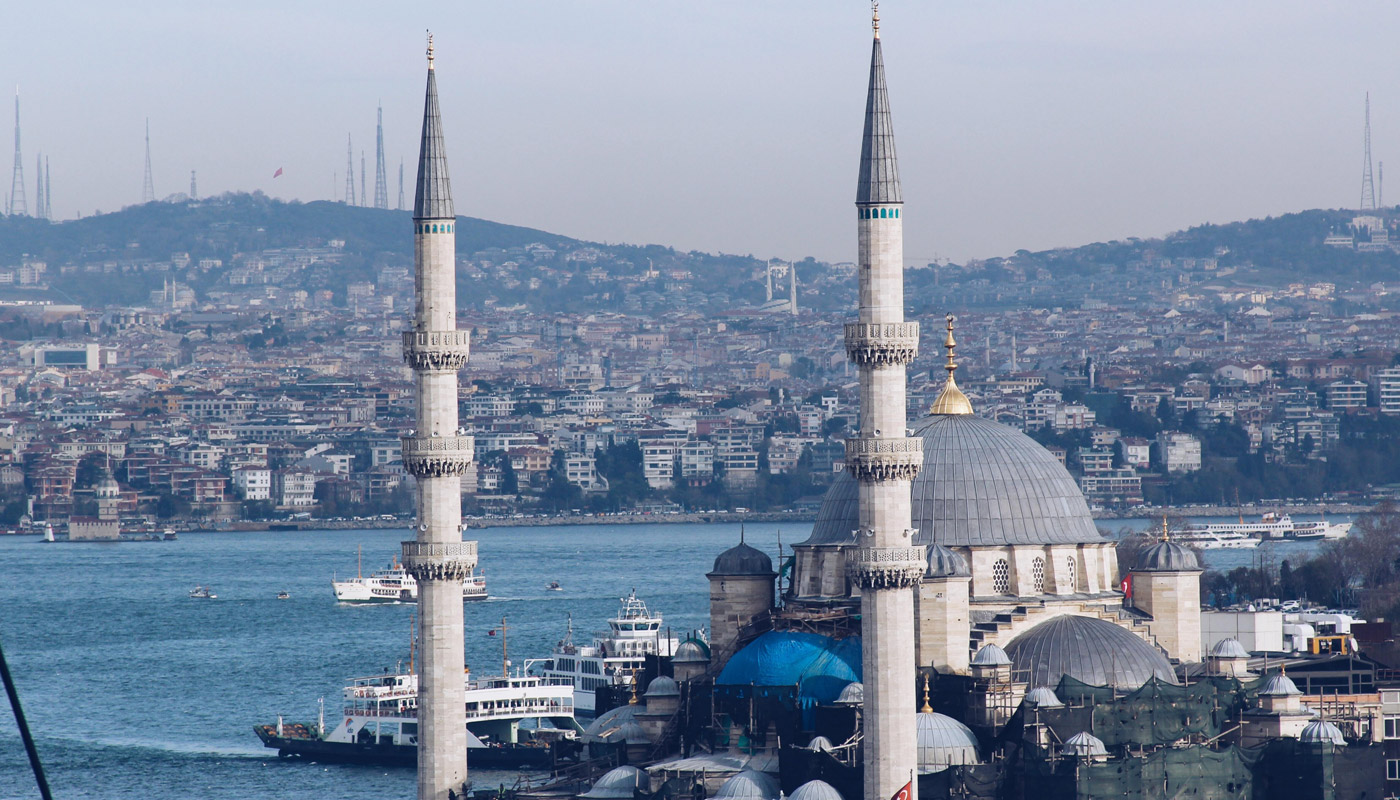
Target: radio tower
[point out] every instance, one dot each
(401, 184)
(349, 172)
(48, 191)
(18, 207)
(1368, 189)
(364, 201)
(194, 187)
(39, 186)
(148, 189)
(381, 179)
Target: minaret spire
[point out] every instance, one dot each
(879, 169)
(434, 196)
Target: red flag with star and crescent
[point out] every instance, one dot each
(905, 793)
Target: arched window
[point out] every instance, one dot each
(1072, 569)
(1001, 577)
(1038, 574)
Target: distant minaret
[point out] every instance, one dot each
(1368, 190)
(17, 205)
(381, 178)
(886, 565)
(437, 453)
(401, 184)
(364, 201)
(768, 294)
(48, 191)
(148, 187)
(349, 172)
(792, 287)
(1380, 184)
(39, 186)
(194, 187)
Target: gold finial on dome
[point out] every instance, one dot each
(926, 708)
(951, 400)
(1166, 537)
(430, 49)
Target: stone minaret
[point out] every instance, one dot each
(792, 288)
(887, 565)
(437, 455)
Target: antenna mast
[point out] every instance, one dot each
(17, 205)
(194, 187)
(1368, 189)
(381, 180)
(401, 184)
(349, 172)
(148, 188)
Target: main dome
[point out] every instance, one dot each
(981, 484)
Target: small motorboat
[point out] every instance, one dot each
(554, 586)
(203, 593)
(169, 535)
(284, 595)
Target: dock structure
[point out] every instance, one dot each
(436, 454)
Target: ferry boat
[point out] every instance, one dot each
(395, 585)
(612, 659)
(1216, 540)
(1269, 526)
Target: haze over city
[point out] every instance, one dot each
(712, 125)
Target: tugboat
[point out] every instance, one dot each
(394, 585)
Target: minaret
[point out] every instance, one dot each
(18, 206)
(887, 565)
(381, 178)
(792, 287)
(48, 191)
(768, 291)
(437, 455)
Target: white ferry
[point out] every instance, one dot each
(1268, 526)
(395, 585)
(1213, 540)
(612, 659)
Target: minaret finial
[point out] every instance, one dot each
(950, 343)
(430, 49)
(1166, 537)
(926, 708)
(741, 533)
(951, 400)
(875, 16)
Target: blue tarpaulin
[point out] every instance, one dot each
(819, 665)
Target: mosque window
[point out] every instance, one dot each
(1072, 570)
(1001, 577)
(1038, 574)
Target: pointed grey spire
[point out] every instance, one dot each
(879, 170)
(433, 199)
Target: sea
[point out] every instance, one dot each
(135, 691)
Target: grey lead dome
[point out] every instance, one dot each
(1167, 557)
(743, 560)
(1087, 649)
(981, 484)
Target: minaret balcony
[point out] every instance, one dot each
(439, 560)
(437, 456)
(886, 567)
(882, 344)
(437, 350)
(885, 459)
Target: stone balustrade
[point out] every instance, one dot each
(886, 567)
(884, 459)
(437, 456)
(437, 350)
(882, 344)
(439, 561)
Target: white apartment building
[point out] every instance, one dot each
(1388, 390)
(1181, 452)
(659, 463)
(1346, 394)
(582, 471)
(254, 483)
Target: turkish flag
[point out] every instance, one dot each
(905, 793)
(1126, 586)
(278, 173)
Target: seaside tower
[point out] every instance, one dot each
(18, 206)
(437, 453)
(883, 460)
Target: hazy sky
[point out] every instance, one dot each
(726, 126)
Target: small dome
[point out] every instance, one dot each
(1279, 685)
(108, 487)
(617, 725)
(1229, 648)
(662, 687)
(944, 742)
(691, 652)
(1320, 731)
(1167, 557)
(852, 695)
(741, 560)
(945, 563)
(991, 656)
(1043, 697)
(621, 783)
(821, 743)
(1083, 745)
(749, 785)
(1087, 649)
(815, 790)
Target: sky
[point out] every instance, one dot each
(725, 126)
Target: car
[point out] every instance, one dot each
(1290, 605)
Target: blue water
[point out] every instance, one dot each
(134, 690)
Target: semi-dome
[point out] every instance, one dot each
(741, 560)
(943, 742)
(816, 790)
(981, 484)
(946, 563)
(691, 652)
(990, 655)
(1229, 647)
(852, 695)
(1043, 697)
(663, 686)
(1087, 649)
(620, 783)
(1279, 685)
(1085, 745)
(1320, 731)
(749, 785)
(1167, 557)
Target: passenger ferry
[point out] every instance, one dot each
(1215, 540)
(513, 721)
(395, 585)
(612, 659)
(1269, 526)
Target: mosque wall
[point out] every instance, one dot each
(941, 605)
(734, 602)
(1173, 600)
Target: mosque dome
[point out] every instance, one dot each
(981, 484)
(620, 783)
(749, 785)
(1279, 685)
(1090, 650)
(617, 725)
(852, 695)
(741, 560)
(815, 790)
(691, 652)
(945, 563)
(1043, 697)
(819, 666)
(1083, 745)
(663, 687)
(990, 656)
(1167, 557)
(1229, 648)
(943, 742)
(1320, 731)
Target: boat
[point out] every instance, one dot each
(1269, 526)
(1208, 540)
(394, 585)
(169, 535)
(203, 593)
(612, 659)
(554, 586)
(284, 595)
